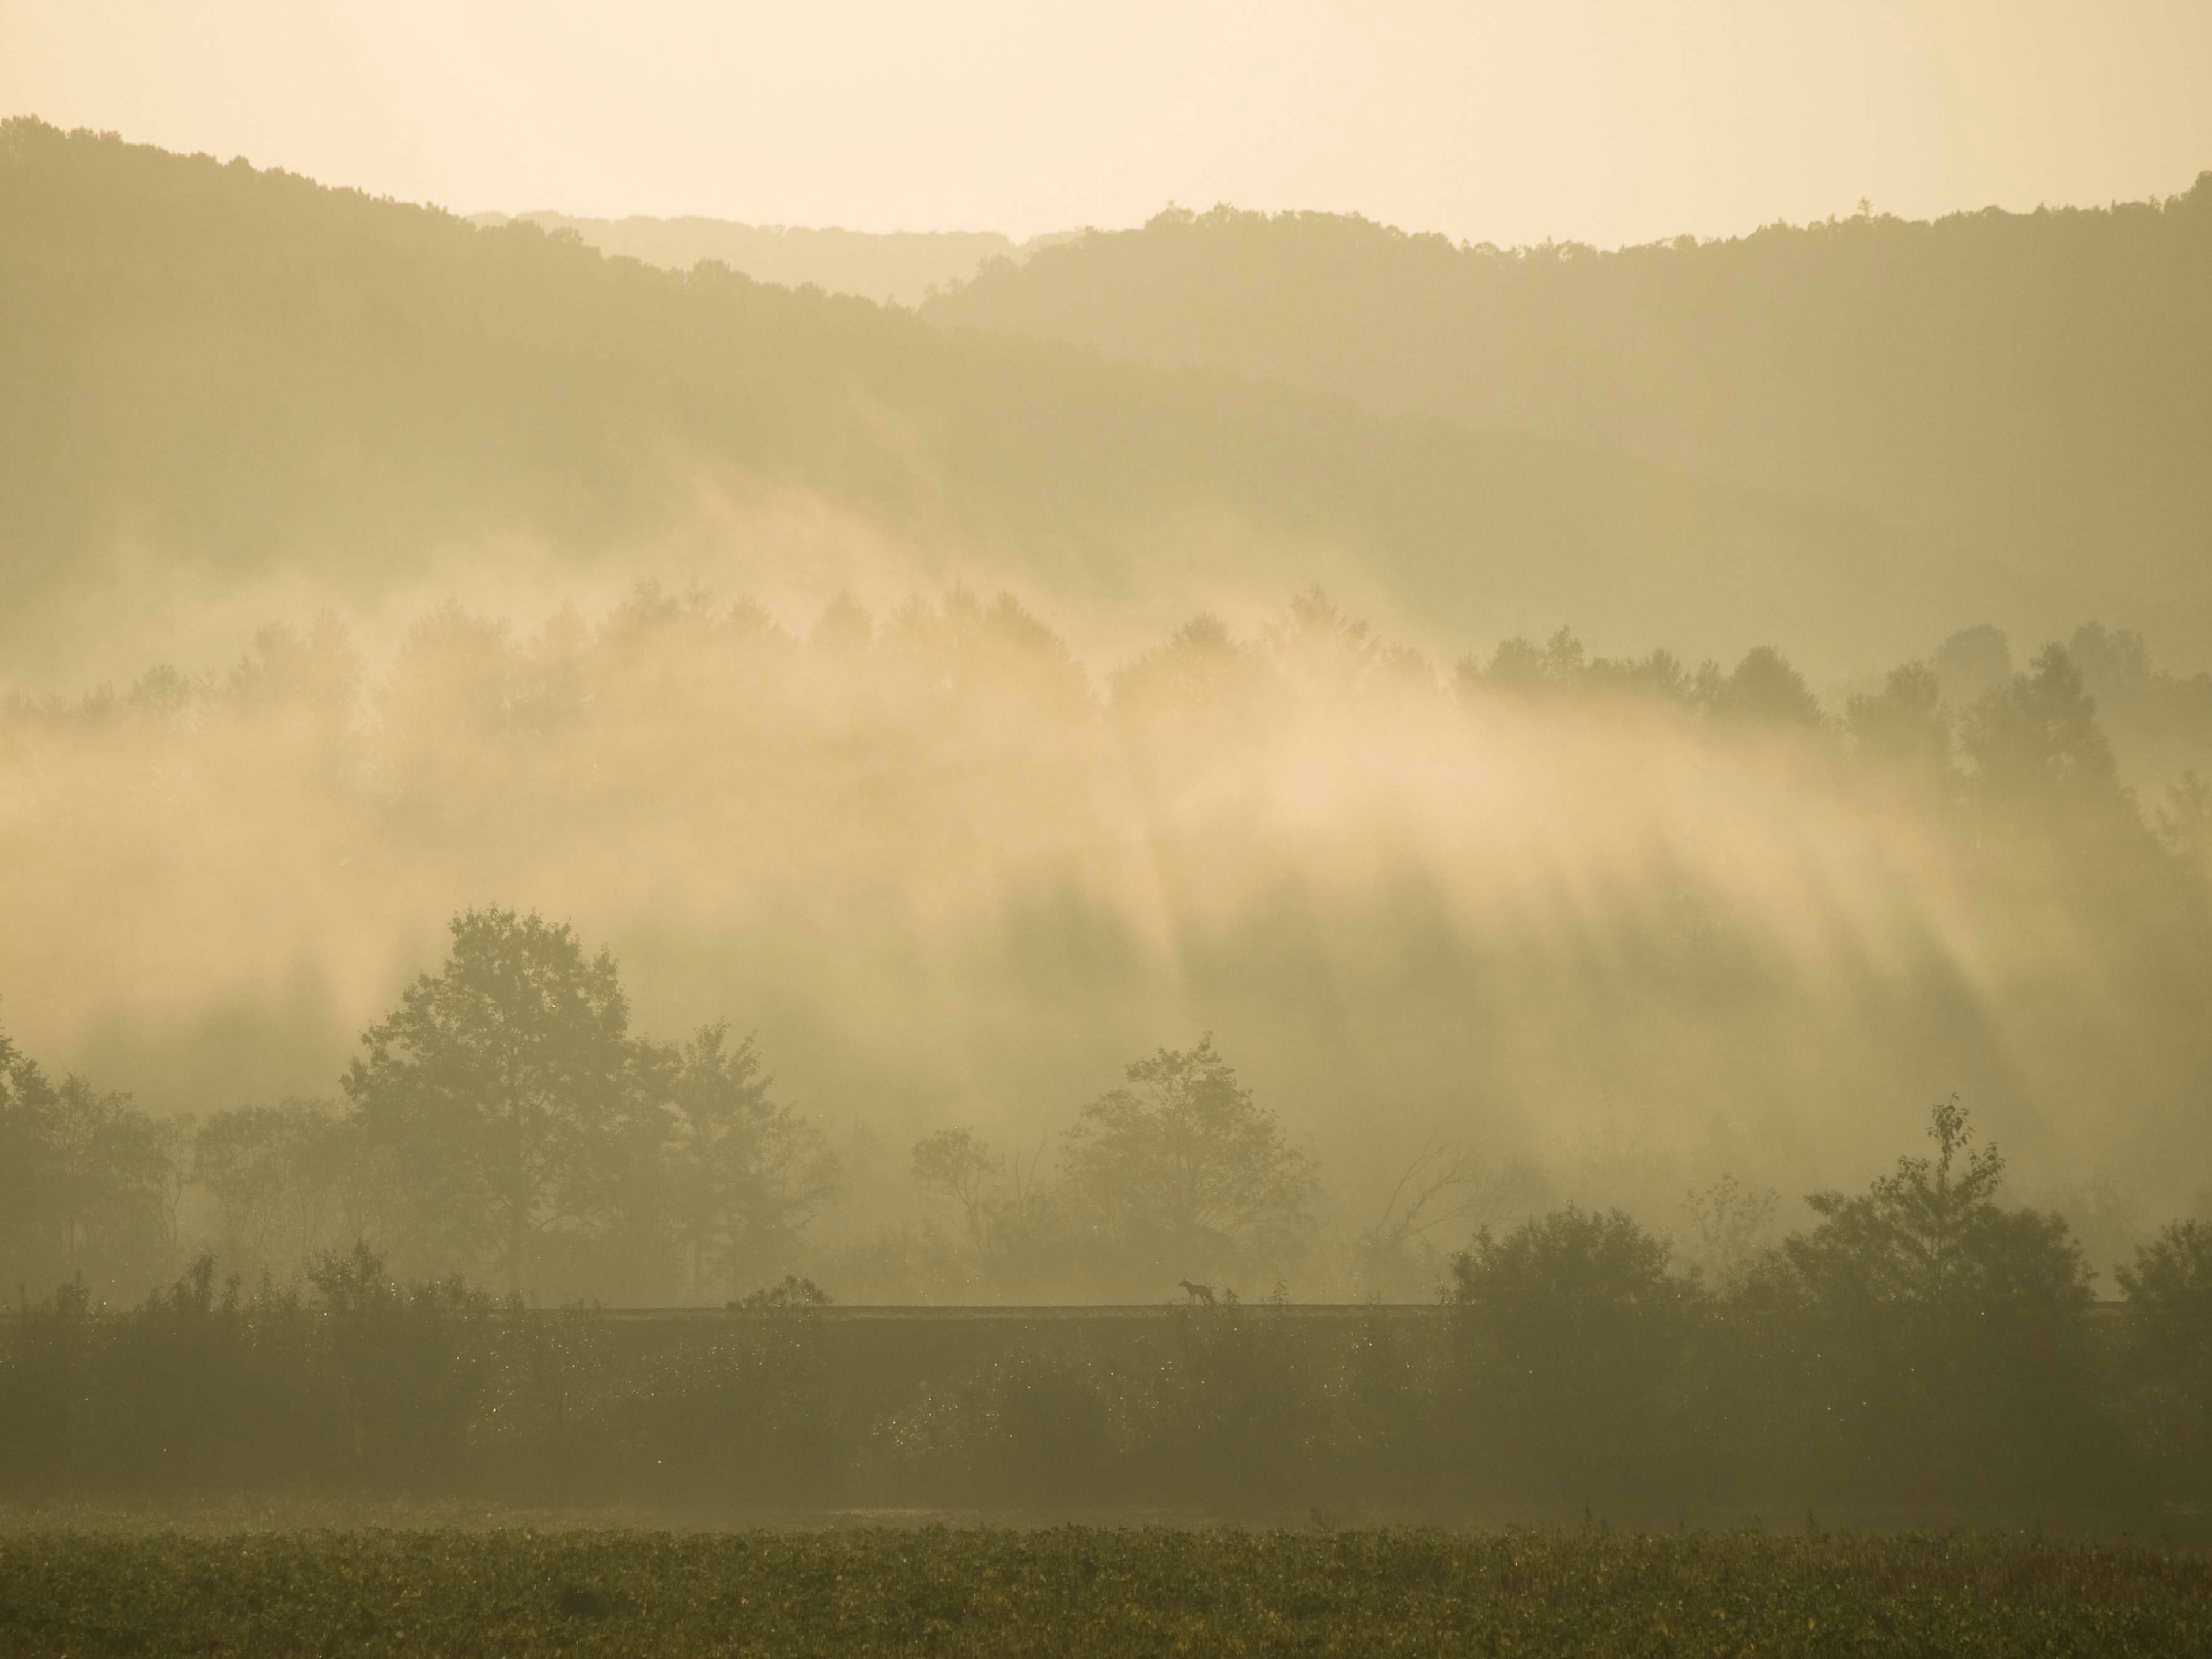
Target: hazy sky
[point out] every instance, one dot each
(1600, 120)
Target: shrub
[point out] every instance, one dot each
(1575, 1331)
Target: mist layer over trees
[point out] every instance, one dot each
(533, 878)
(1339, 927)
(272, 388)
(919, 935)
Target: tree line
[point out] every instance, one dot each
(504, 1124)
(1924, 1350)
(502, 1121)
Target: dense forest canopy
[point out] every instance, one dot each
(2029, 392)
(220, 388)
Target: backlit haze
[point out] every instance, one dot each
(1610, 122)
(1667, 645)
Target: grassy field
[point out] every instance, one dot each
(1085, 1591)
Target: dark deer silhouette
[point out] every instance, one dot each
(1198, 1293)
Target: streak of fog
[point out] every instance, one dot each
(948, 876)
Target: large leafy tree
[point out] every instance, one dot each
(2036, 745)
(510, 1096)
(286, 1184)
(1931, 1235)
(744, 1172)
(1943, 1330)
(1575, 1326)
(88, 1182)
(27, 1112)
(1182, 1170)
(1903, 729)
(959, 1165)
(2169, 1293)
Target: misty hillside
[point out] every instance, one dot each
(2032, 389)
(212, 378)
(543, 558)
(896, 268)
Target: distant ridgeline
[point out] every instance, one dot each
(2029, 392)
(215, 379)
(896, 268)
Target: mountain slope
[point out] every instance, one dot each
(212, 377)
(895, 268)
(2031, 389)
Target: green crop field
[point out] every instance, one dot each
(1085, 1590)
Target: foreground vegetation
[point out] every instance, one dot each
(1923, 1345)
(1080, 1591)
(1925, 1352)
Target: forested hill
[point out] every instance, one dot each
(213, 376)
(2034, 388)
(900, 267)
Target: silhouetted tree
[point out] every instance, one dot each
(1763, 689)
(743, 1173)
(1338, 658)
(2035, 743)
(1948, 1328)
(89, 1183)
(1516, 668)
(1973, 663)
(1574, 1327)
(960, 1165)
(287, 1182)
(2168, 1288)
(1728, 1225)
(1201, 682)
(2115, 664)
(844, 629)
(1183, 1170)
(1933, 1235)
(508, 1093)
(1903, 727)
(27, 1132)
(1447, 1188)
(2185, 821)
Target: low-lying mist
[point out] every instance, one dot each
(1606, 930)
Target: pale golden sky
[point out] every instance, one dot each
(1599, 120)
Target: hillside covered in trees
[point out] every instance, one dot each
(2025, 391)
(893, 267)
(215, 381)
